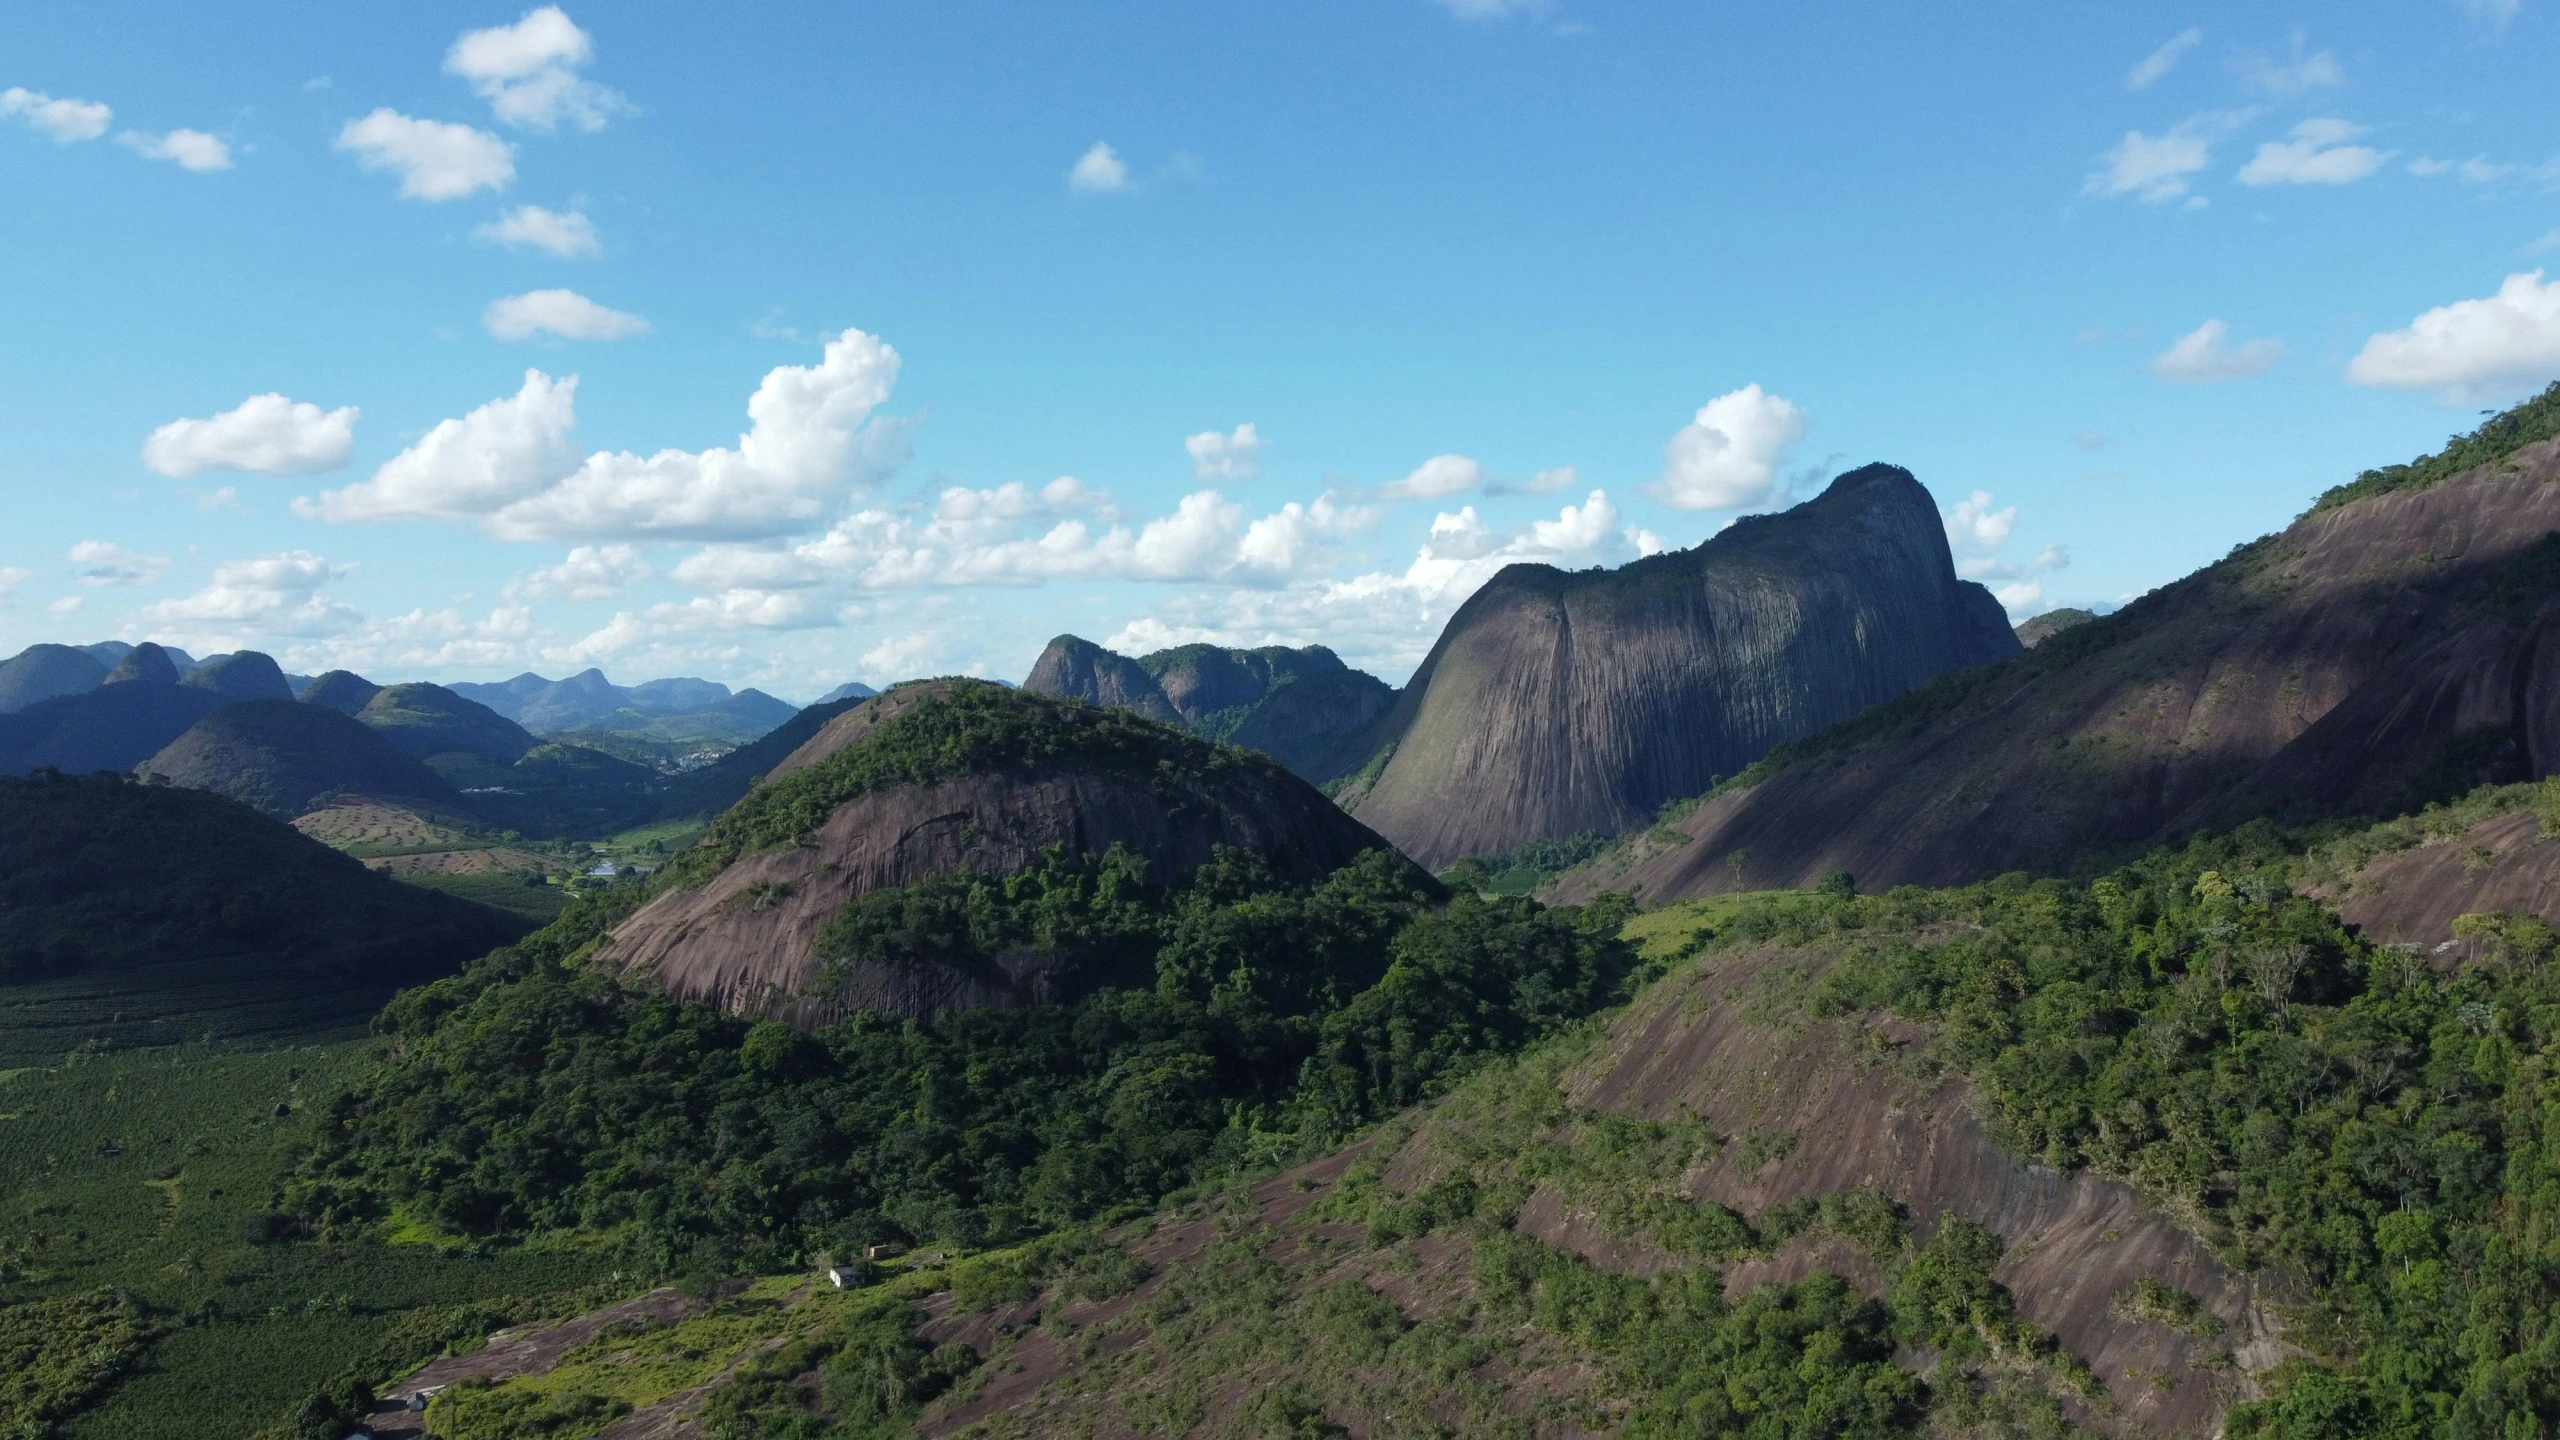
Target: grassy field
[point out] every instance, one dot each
(539, 903)
(150, 1174)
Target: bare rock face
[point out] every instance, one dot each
(2370, 657)
(1557, 703)
(744, 939)
(1302, 707)
(1078, 669)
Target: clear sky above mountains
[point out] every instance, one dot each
(815, 343)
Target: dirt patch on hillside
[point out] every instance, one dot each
(1851, 1107)
(497, 860)
(519, 1351)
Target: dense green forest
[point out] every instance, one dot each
(1268, 1020)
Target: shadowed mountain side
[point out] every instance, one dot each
(41, 672)
(1062, 774)
(1559, 703)
(166, 908)
(276, 755)
(2371, 657)
(114, 727)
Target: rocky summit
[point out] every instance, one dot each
(1557, 702)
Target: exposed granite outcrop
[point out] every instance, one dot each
(2370, 657)
(1560, 702)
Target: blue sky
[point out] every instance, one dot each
(1249, 322)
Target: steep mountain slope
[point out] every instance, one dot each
(1302, 707)
(1559, 703)
(940, 777)
(849, 690)
(41, 672)
(2380, 652)
(244, 675)
(277, 756)
(430, 720)
(175, 906)
(1077, 669)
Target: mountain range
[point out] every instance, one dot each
(2135, 1023)
(2397, 645)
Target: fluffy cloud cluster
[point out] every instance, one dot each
(2206, 356)
(1016, 535)
(567, 234)
(2470, 349)
(249, 600)
(64, 120)
(1387, 620)
(590, 572)
(264, 434)
(1976, 532)
(1215, 457)
(2318, 154)
(434, 159)
(564, 313)
(510, 466)
(528, 72)
(1728, 456)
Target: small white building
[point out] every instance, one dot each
(847, 1277)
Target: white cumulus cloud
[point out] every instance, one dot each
(528, 72)
(2206, 356)
(1235, 455)
(186, 149)
(2316, 155)
(502, 452)
(2163, 60)
(250, 600)
(807, 446)
(1973, 526)
(435, 160)
(567, 234)
(1727, 457)
(265, 434)
(2501, 345)
(1098, 171)
(63, 120)
(1436, 478)
(101, 563)
(564, 313)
